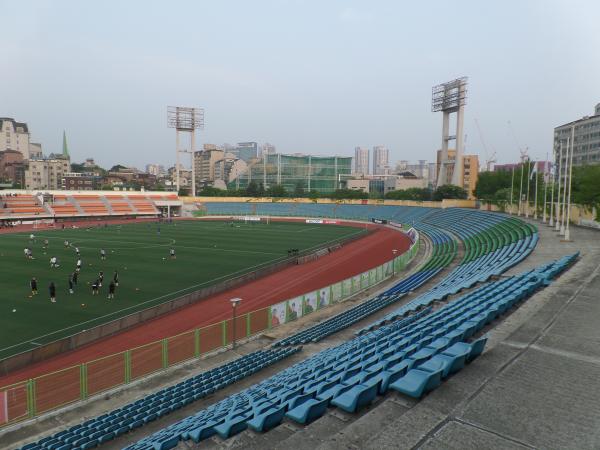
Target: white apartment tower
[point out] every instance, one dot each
(381, 160)
(361, 161)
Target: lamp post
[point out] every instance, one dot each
(394, 251)
(234, 303)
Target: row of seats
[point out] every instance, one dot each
(106, 427)
(22, 205)
(410, 358)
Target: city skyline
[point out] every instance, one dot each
(109, 90)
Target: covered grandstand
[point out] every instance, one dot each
(49, 205)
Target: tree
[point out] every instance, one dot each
(489, 183)
(341, 194)
(116, 168)
(252, 189)
(449, 191)
(299, 189)
(78, 168)
(415, 194)
(313, 195)
(209, 191)
(585, 187)
(277, 190)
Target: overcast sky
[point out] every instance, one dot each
(317, 77)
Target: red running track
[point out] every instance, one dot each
(353, 258)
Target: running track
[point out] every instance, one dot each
(353, 258)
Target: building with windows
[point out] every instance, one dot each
(204, 165)
(586, 145)
(470, 173)
(381, 160)
(153, 169)
(81, 181)
(46, 173)
(321, 173)
(246, 151)
(12, 167)
(361, 161)
(268, 149)
(15, 136)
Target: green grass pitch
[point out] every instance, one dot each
(206, 252)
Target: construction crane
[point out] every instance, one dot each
(489, 159)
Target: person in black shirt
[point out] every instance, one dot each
(95, 285)
(70, 285)
(74, 276)
(100, 278)
(33, 285)
(111, 290)
(52, 292)
(116, 278)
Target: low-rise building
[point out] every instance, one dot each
(46, 173)
(404, 180)
(12, 166)
(81, 181)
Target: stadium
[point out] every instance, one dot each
(261, 324)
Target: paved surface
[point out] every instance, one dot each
(537, 385)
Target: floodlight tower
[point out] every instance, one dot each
(185, 120)
(450, 98)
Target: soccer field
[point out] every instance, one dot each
(206, 253)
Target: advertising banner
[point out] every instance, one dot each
(364, 280)
(278, 314)
(310, 303)
(314, 220)
(324, 297)
(346, 287)
(372, 277)
(336, 292)
(387, 269)
(247, 218)
(294, 309)
(355, 283)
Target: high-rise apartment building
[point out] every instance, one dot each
(381, 160)
(361, 161)
(246, 151)
(586, 143)
(204, 165)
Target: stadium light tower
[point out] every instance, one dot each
(185, 120)
(451, 98)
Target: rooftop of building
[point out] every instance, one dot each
(14, 123)
(595, 116)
